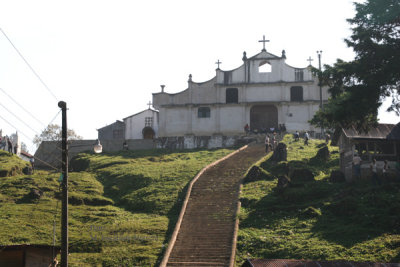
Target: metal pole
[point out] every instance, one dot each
(321, 105)
(64, 208)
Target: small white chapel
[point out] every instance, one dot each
(264, 92)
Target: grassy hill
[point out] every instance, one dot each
(123, 206)
(317, 220)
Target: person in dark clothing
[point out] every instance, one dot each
(10, 148)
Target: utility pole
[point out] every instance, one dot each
(64, 185)
(321, 105)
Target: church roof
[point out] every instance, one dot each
(151, 109)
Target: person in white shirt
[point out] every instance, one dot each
(357, 165)
(267, 144)
(375, 177)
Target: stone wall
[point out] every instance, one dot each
(209, 142)
(48, 155)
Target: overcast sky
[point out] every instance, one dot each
(105, 58)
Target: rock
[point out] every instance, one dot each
(27, 170)
(280, 153)
(337, 177)
(256, 174)
(283, 182)
(302, 175)
(35, 194)
(311, 212)
(323, 153)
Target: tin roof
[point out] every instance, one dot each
(379, 132)
(308, 263)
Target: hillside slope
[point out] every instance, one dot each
(123, 206)
(317, 220)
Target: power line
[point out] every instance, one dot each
(22, 107)
(44, 162)
(26, 62)
(19, 119)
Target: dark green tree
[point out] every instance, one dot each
(359, 87)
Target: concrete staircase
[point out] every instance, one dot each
(206, 234)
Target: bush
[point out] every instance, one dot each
(79, 163)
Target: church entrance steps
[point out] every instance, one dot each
(205, 232)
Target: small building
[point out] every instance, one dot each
(28, 255)
(381, 143)
(26, 156)
(142, 125)
(114, 131)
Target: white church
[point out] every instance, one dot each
(264, 92)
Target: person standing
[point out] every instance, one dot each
(327, 138)
(306, 137)
(16, 148)
(32, 161)
(296, 136)
(267, 143)
(357, 165)
(384, 171)
(374, 171)
(10, 146)
(273, 141)
(246, 128)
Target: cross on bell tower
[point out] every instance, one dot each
(263, 41)
(218, 62)
(309, 60)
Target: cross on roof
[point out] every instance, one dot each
(218, 62)
(310, 59)
(263, 41)
(149, 104)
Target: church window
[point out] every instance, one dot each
(264, 67)
(296, 93)
(231, 95)
(203, 112)
(298, 75)
(148, 122)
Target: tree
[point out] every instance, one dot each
(53, 133)
(359, 87)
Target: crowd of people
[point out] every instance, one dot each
(7, 144)
(281, 129)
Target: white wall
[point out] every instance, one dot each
(135, 124)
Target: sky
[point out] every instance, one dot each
(105, 58)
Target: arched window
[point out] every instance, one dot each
(296, 93)
(203, 112)
(231, 95)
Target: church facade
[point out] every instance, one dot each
(264, 92)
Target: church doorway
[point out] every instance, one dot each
(148, 133)
(263, 117)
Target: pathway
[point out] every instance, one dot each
(205, 237)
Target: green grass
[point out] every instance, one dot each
(317, 220)
(123, 206)
(10, 164)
